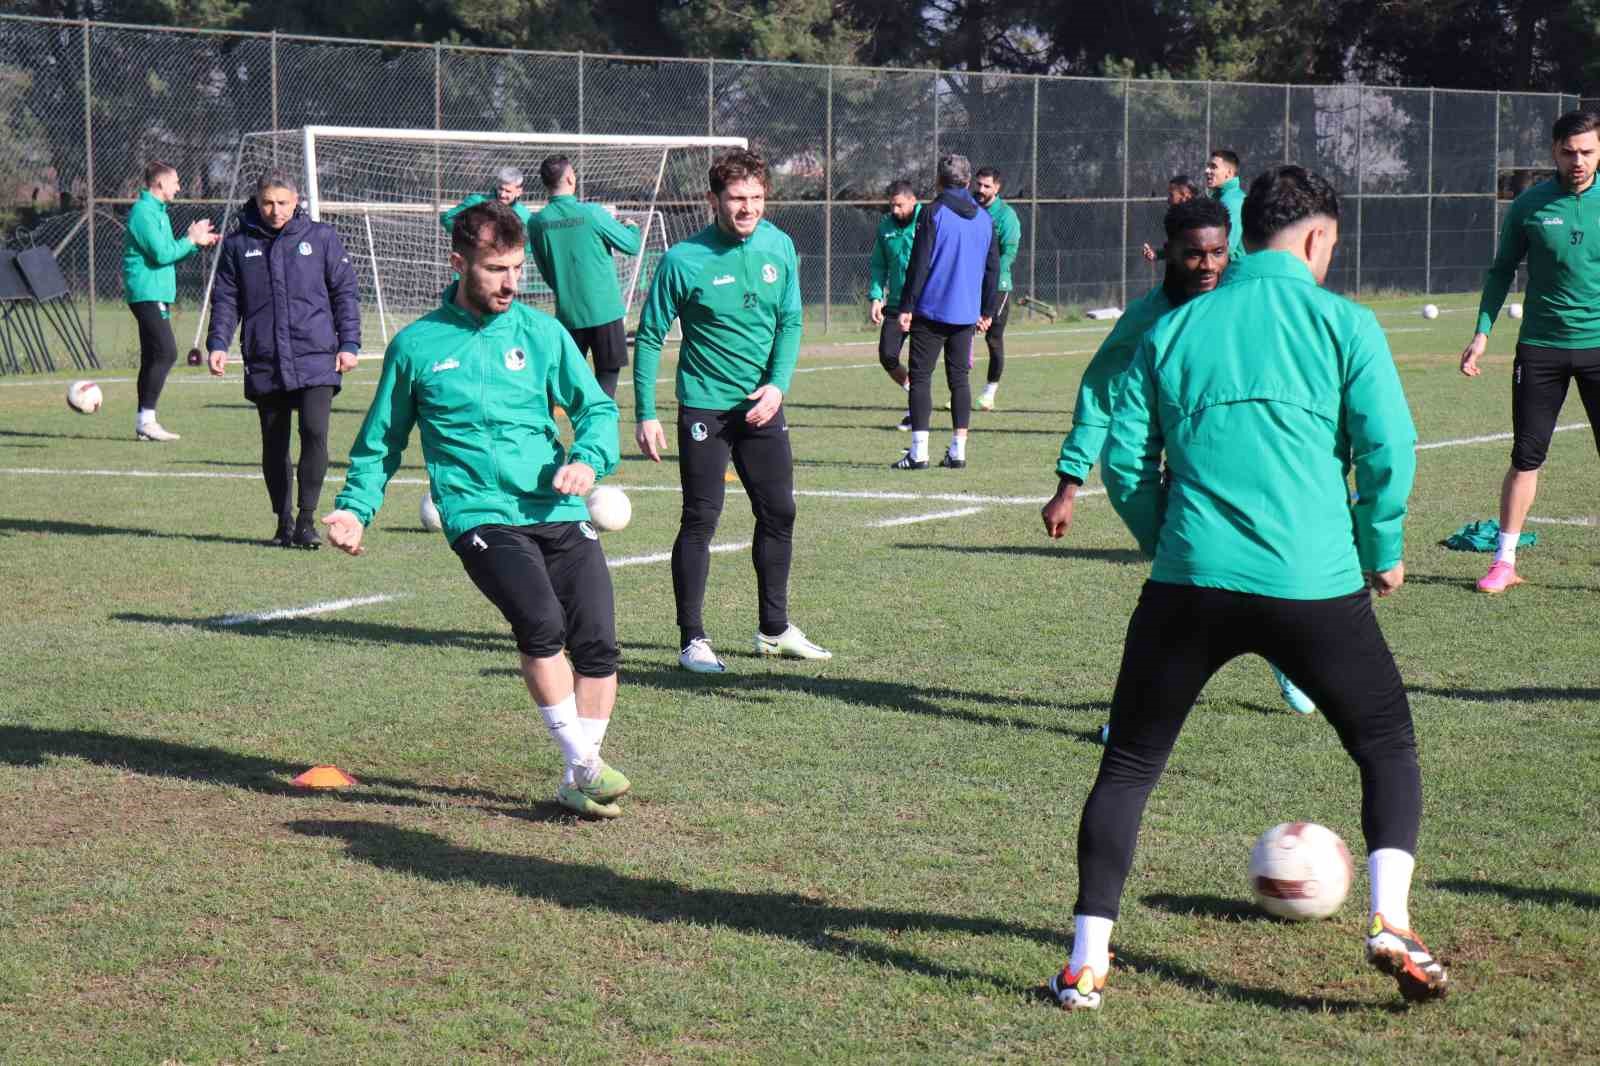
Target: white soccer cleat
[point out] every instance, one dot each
(790, 644)
(698, 658)
(153, 431)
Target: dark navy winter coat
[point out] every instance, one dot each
(954, 273)
(293, 294)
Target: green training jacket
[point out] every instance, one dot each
(1231, 193)
(1559, 234)
(739, 302)
(447, 218)
(1264, 395)
(1008, 231)
(572, 242)
(150, 253)
(891, 253)
(480, 393)
(1091, 414)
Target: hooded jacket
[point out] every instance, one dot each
(954, 273)
(294, 297)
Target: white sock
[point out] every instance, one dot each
(1390, 871)
(594, 730)
(991, 388)
(906, 384)
(1506, 547)
(1091, 943)
(958, 447)
(919, 445)
(566, 730)
(146, 416)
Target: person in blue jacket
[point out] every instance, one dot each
(951, 286)
(287, 283)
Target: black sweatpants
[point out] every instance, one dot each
(275, 410)
(609, 343)
(996, 339)
(1539, 380)
(1179, 636)
(158, 350)
(928, 339)
(761, 455)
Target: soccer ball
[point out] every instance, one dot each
(1300, 871)
(84, 397)
(429, 514)
(1430, 311)
(609, 508)
(1515, 310)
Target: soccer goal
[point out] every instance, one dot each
(384, 189)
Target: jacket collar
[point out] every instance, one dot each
(250, 220)
(461, 315)
(1231, 183)
(960, 201)
(146, 194)
(1269, 263)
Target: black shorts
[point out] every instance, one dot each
(1539, 380)
(608, 341)
(552, 584)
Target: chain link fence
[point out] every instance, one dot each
(1425, 173)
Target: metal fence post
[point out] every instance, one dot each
(711, 99)
(1361, 166)
(936, 119)
(1494, 183)
(582, 167)
(1127, 155)
(88, 151)
(1207, 145)
(1427, 259)
(1287, 100)
(1033, 217)
(827, 213)
(272, 63)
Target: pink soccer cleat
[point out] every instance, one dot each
(1500, 577)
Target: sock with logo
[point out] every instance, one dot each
(919, 445)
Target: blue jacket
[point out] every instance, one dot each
(954, 273)
(295, 294)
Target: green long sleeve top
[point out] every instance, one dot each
(572, 243)
(1008, 231)
(150, 252)
(1550, 227)
(1231, 193)
(891, 254)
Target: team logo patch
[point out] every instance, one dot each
(1547, 221)
(304, 249)
(515, 360)
(587, 530)
(444, 364)
(253, 253)
(723, 279)
(769, 274)
(698, 431)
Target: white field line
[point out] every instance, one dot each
(1489, 438)
(910, 520)
(661, 557)
(326, 607)
(1585, 521)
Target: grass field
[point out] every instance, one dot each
(870, 859)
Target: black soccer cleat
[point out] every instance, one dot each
(905, 462)
(284, 537)
(951, 462)
(305, 533)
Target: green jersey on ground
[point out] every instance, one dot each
(739, 302)
(571, 243)
(1091, 414)
(1264, 396)
(1008, 231)
(1558, 232)
(891, 253)
(150, 253)
(479, 392)
(1231, 193)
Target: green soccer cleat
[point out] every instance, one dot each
(606, 784)
(580, 803)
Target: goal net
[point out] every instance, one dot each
(383, 190)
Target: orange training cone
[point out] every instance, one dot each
(324, 777)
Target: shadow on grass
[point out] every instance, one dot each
(1217, 908)
(343, 632)
(808, 922)
(1470, 584)
(7, 433)
(333, 464)
(939, 400)
(1050, 551)
(29, 746)
(1522, 694)
(1274, 998)
(85, 529)
(1545, 897)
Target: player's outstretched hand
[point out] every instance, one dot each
(347, 362)
(1472, 353)
(201, 234)
(1388, 580)
(877, 312)
(905, 321)
(218, 363)
(574, 479)
(768, 399)
(1057, 513)
(344, 532)
(1148, 252)
(651, 438)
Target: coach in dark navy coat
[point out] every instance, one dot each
(287, 284)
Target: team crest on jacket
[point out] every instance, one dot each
(515, 360)
(769, 273)
(587, 530)
(305, 248)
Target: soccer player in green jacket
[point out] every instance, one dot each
(507, 190)
(572, 244)
(891, 252)
(476, 377)
(735, 287)
(1222, 178)
(1008, 231)
(1263, 396)
(150, 254)
(1555, 226)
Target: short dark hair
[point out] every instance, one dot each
(1282, 196)
(1227, 155)
(955, 171)
(553, 169)
(990, 172)
(155, 170)
(737, 165)
(276, 179)
(1202, 212)
(1184, 181)
(1573, 123)
(505, 229)
(899, 187)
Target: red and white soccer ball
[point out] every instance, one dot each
(84, 397)
(1300, 871)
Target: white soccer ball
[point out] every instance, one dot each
(1300, 870)
(1515, 310)
(84, 397)
(1430, 311)
(609, 508)
(428, 513)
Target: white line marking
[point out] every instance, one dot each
(909, 520)
(1564, 521)
(327, 607)
(661, 557)
(1489, 438)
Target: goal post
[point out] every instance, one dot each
(383, 191)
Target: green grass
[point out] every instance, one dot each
(870, 859)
